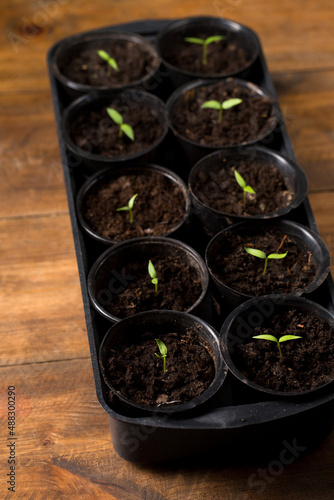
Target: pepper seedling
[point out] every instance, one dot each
(163, 352)
(153, 274)
(204, 43)
(123, 127)
(278, 341)
(220, 106)
(110, 61)
(262, 255)
(129, 207)
(242, 183)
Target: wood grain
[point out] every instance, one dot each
(295, 35)
(64, 447)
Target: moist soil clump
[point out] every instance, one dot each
(306, 363)
(179, 286)
(243, 272)
(96, 133)
(223, 57)
(137, 374)
(219, 190)
(85, 67)
(241, 124)
(158, 208)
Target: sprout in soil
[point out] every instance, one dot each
(204, 43)
(129, 207)
(123, 127)
(278, 341)
(262, 255)
(229, 103)
(110, 60)
(152, 272)
(163, 352)
(242, 183)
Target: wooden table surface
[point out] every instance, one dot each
(63, 447)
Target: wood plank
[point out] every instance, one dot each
(30, 168)
(323, 208)
(296, 35)
(42, 313)
(64, 450)
(307, 103)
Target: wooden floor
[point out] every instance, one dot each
(63, 445)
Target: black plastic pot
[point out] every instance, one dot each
(304, 237)
(69, 46)
(195, 150)
(178, 232)
(91, 162)
(212, 220)
(106, 277)
(236, 33)
(159, 323)
(239, 326)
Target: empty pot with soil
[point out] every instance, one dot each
(81, 67)
(280, 345)
(206, 116)
(120, 284)
(279, 185)
(250, 259)
(187, 376)
(161, 206)
(121, 128)
(206, 47)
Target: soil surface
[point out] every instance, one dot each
(134, 62)
(218, 188)
(96, 133)
(179, 286)
(305, 363)
(158, 208)
(244, 272)
(223, 57)
(137, 374)
(241, 124)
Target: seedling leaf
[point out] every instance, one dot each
(249, 189)
(115, 116)
(153, 274)
(129, 207)
(284, 338)
(211, 105)
(163, 351)
(289, 337)
(230, 103)
(204, 43)
(266, 337)
(103, 54)
(240, 180)
(277, 255)
(191, 39)
(128, 131)
(256, 253)
(215, 38)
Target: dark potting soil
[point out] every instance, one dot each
(223, 57)
(86, 67)
(241, 124)
(179, 286)
(137, 374)
(218, 188)
(158, 208)
(96, 133)
(305, 363)
(244, 272)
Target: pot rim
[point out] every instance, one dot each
(130, 170)
(283, 301)
(226, 24)
(96, 96)
(299, 195)
(75, 40)
(272, 121)
(145, 240)
(212, 339)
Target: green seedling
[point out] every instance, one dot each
(110, 61)
(242, 183)
(262, 255)
(163, 352)
(153, 274)
(123, 127)
(229, 103)
(204, 44)
(129, 207)
(278, 341)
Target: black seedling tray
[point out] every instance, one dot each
(233, 425)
